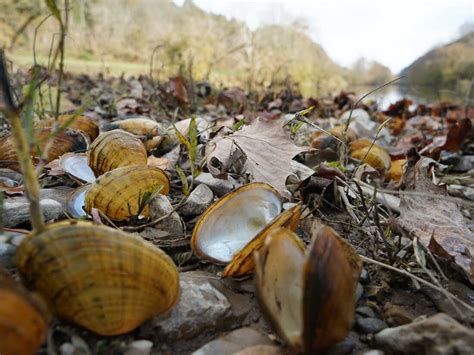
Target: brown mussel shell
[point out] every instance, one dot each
(115, 149)
(100, 278)
(23, 318)
(119, 193)
(76, 122)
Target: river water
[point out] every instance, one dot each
(394, 93)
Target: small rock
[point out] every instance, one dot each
(11, 174)
(461, 191)
(201, 307)
(436, 335)
(219, 186)
(346, 346)
(301, 172)
(370, 325)
(198, 201)
(364, 276)
(262, 350)
(233, 342)
(366, 312)
(160, 206)
(372, 352)
(359, 291)
(139, 347)
(67, 349)
(16, 211)
(466, 162)
(7, 253)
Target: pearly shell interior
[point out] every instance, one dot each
(235, 220)
(76, 165)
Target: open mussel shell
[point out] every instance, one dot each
(76, 122)
(115, 149)
(138, 126)
(309, 298)
(76, 202)
(50, 143)
(23, 318)
(396, 170)
(243, 262)
(75, 164)
(234, 220)
(120, 193)
(100, 278)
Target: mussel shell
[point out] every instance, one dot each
(100, 278)
(396, 170)
(375, 156)
(243, 262)
(234, 220)
(76, 202)
(23, 319)
(309, 298)
(115, 149)
(118, 193)
(279, 269)
(138, 126)
(76, 122)
(56, 144)
(75, 164)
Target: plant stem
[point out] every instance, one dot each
(11, 111)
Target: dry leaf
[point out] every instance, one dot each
(55, 168)
(437, 222)
(162, 163)
(268, 150)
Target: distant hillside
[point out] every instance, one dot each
(185, 39)
(447, 67)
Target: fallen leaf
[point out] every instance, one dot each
(437, 222)
(162, 163)
(268, 150)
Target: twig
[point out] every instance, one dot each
(11, 111)
(419, 279)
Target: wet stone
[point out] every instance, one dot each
(219, 186)
(160, 206)
(370, 325)
(198, 201)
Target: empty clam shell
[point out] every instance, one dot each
(119, 193)
(229, 224)
(138, 126)
(23, 318)
(100, 278)
(77, 200)
(76, 122)
(115, 149)
(309, 298)
(75, 164)
(51, 145)
(243, 262)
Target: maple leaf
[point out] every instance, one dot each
(268, 150)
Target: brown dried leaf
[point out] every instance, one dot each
(268, 150)
(437, 222)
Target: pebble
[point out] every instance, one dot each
(219, 186)
(466, 162)
(160, 206)
(201, 307)
(366, 311)
(234, 342)
(67, 349)
(198, 201)
(7, 253)
(461, 191)
(139, 347)
(17, 211)
(359, 292)
(436, 335)
(370, 325)
(11, 174)
(364, 277)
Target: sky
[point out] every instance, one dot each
(394, 32)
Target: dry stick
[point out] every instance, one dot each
(419, 279)
(11, 111)
(62, 46)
